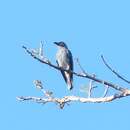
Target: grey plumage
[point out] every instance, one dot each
(64, 59)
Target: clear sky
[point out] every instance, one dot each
(90, 28)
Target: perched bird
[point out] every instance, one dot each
(64, 60)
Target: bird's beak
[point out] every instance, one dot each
(57, 43)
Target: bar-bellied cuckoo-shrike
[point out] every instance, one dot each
(64, 60)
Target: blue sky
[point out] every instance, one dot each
(90, 28)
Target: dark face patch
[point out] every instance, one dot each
(62, 44)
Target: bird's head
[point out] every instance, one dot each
(61, 44)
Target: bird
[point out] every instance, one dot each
(64, 60)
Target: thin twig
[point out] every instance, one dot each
(90, 89)
(77, 61)
(117, 74)
(106, 91)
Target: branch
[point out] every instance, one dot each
(110, 68)
(62, 101)
(86, 75)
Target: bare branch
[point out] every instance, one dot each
(86, 75)
(62, 101)
(110, 68)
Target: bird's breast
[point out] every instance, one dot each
(62, 58)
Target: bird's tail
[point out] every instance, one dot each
(70, 85)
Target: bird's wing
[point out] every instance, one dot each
(62, 72)
(70, 57)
